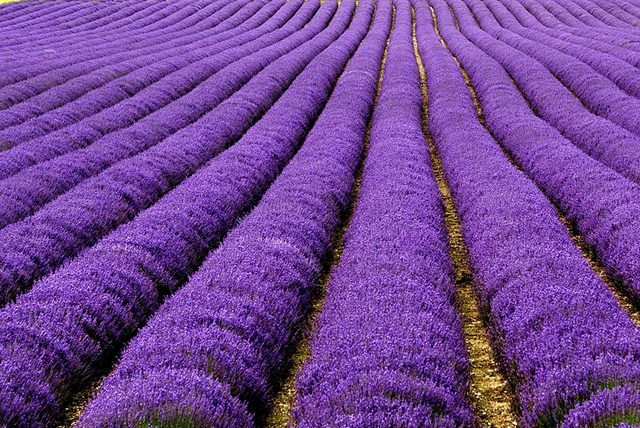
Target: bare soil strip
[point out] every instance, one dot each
(624, 299)
(286, 396)
(490, 394)
(80, 399)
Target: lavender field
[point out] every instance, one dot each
(295, 213)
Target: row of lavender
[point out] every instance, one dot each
(72, 320)
(181, 185)
(539, 294)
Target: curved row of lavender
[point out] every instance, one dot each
(169, 105)
(598, 13)
(551, 161)
(591, 14)
(22, 83)
(624, 75)
(127, 20)
(48, 48)
(607, 59)
(532, 15)
(75, 220)
(82, 122)
(216, 348)
(624, 17)
(189, 45)
(23, 80)
(132, 22)
(388, 348)
(59, 18)
(184, 52)
(569, 22)
(142, 143)
(119, 49)
(71, 89)
(97, 301)
(94, 92)
(564, 341)
(598, 93)
(600, 138)
(602, 205)
(76, 15)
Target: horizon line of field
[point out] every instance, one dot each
(624, 301)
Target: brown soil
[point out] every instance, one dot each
(490, 394)
(79, 401)
(285, 397)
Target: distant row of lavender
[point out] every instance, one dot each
(175, 178)
(24, 80)
(42, 76)
(134, 22)
(114, 83)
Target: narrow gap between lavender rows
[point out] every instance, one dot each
(285, 398)
(490, 394)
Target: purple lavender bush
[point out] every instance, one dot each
(388, 348)
(240, 313)
(102, 297)
(538, 293)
